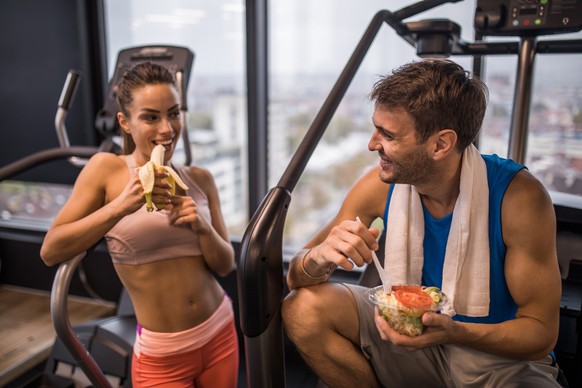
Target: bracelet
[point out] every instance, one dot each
(323, 276)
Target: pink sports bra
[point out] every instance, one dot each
(143, 237)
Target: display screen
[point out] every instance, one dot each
(31, 205)
(528, 11)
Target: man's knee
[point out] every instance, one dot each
(310, 312)
(298, 306)
(304, 314)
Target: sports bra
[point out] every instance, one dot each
(146, 237)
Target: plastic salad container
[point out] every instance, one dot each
(404, 306)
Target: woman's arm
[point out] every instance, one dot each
(89, 213)
(212, 234)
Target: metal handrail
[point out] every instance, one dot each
(62, 324)
(65, 101)
(40, 157)
(64, 274)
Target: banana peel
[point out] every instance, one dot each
(147, 177)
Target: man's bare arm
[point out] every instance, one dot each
(343, 237)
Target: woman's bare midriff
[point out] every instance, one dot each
(171, 295)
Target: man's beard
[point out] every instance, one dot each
(413, 169)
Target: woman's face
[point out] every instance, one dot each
(154, 118)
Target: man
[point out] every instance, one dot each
(485, 233)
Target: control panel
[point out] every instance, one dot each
(31, 205)
(528, 17)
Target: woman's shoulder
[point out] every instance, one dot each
(202, 178)
(102, 166)
(199, 174)
(107, 160)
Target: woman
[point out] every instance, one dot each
(165, 259)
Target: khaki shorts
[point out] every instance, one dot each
(444, 365)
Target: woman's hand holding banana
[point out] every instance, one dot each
(147, 176)
(184, 211)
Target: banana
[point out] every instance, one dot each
(147, 176)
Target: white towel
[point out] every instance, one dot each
(466, 265)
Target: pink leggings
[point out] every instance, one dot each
(215, 364)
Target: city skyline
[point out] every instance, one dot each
(305, 37)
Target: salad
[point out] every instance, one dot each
(404, 306)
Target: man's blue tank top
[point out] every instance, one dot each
(502, 307)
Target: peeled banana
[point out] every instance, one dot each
(147, 177)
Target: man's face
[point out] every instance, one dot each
(402, 159)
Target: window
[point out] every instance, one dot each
(554, 146)
(311, 42)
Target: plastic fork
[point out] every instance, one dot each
(384, 277)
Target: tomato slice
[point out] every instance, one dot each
(412, 297)
(407, 288)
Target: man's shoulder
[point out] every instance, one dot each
(500, 170)
(494, 161)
